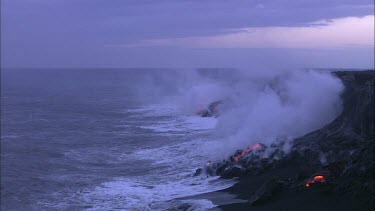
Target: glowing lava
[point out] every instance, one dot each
(316, 179)
(208, 163)
(238, 157)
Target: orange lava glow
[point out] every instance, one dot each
(238, 157)
(208, 163)
(316, 179)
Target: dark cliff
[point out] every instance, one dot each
(329, 169)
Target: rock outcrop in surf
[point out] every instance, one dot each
(212, 110)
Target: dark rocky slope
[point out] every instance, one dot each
(329, 169)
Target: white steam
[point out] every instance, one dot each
(270, 108)
(258, 107)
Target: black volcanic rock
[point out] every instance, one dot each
(212, 109)
(184, 207)
(198, 172)
(233, 171)
(268, 190)
(347, 145)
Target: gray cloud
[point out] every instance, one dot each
(74, 32)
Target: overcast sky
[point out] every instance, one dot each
(187, 33)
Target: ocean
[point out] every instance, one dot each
(100, 139)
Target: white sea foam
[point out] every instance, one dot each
(152, 193)
(154, 110)
(173, 166)
(183, 124)
(176, 121)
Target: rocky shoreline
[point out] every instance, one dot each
(301, 179)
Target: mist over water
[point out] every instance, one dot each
(262, 107)
(117, 139)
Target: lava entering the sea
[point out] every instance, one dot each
(316, 179)
(237, 157)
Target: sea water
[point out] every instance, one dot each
(99, 139)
